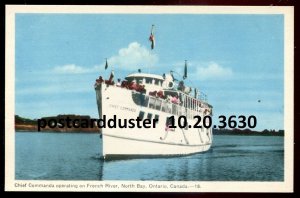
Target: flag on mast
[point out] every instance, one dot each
(185, 70)
(106, 65)
(111, 77)
(151, 38)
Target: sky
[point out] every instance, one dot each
(237, 60)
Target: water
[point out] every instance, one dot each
(76, 156)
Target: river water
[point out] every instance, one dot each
(77, 156)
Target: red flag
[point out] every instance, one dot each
(151, 38)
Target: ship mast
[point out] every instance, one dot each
(185, 70)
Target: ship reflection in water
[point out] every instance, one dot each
(76, 156)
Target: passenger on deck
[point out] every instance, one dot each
(124, 84)
(181, 86)
(118, 83)
(153, 93)
(109, 82)
(175, 100)
(142, 89)
(160, 94)
(169, 98)
(133, 85)
(100, 80)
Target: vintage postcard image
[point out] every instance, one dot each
(149, 98)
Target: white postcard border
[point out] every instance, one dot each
(194, 186)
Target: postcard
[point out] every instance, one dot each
(149, 98)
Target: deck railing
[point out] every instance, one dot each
(189, 107)
(164, 105)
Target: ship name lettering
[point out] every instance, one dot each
(114, 106)
(128, 109)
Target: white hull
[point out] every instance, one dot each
(126, 142)
(144, 148)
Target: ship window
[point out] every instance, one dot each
(157, 82)
(168, 121)
(164, 106)
(171, 93)
(174, 109)
(139, 80)
(157, 104)
(156, 117)
(148, 80)
(141, 115)
(149, 116)
(152, 103)
(130, 79)
(140, 99)
(145, 102)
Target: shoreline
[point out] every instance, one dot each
(82, 132)
(28, 131)
(33, 128)
(29, 125)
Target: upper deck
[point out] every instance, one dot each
(155, 91)
(165, 83)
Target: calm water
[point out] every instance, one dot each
(76, 156)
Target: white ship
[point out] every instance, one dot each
(151, 96)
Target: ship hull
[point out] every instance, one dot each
(127, 142)
(139, 148)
